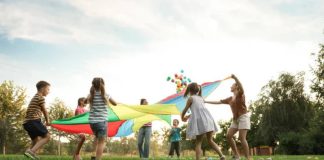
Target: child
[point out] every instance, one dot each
(144, 136)
(32, 124)
(80, 110)
(175, 139)
(241, 119)
(99, 100)
(200, 122)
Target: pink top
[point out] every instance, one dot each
(149, 124)
(79, 110)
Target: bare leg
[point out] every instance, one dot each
(242, 137)
(213, 144)
(229, 136)
(77, 152)
(34, 141)
(95, 143)
(100, 147)
(40, 143)
(198, 146)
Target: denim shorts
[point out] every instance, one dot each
(99, 129)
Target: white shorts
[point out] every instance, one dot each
(243, 122)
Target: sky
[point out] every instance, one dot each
(136, 45)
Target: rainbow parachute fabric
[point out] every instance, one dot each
(123, 120)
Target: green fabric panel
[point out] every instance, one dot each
(166, 118)
(79, 119)
(112, 117)
(84, 118)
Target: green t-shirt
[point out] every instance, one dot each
(175, 135)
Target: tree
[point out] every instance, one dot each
(50, 148)
(253, 138)
(186, 144)
(154, 146)
(12, 113)
(58, 110)
(316, 134)
(221, 137)
(317, 86)
(166, 139)
(282, 107)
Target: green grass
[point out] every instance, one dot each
(276, 157)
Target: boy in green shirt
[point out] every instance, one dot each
(175, 139)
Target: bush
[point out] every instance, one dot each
(289, 143)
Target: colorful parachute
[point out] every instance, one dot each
(124, 120)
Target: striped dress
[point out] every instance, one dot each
(99, 109)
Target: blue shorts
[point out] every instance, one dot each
(35, 128)
(99, 129)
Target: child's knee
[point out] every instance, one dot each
(228, 136)
(82, 137)
(101, 139)
(47, 136)
(242, 139)
(210, 141)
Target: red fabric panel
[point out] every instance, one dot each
(85, 128)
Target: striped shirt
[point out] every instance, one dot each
(99, 109)
(34, 110)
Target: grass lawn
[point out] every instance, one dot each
(276, 157)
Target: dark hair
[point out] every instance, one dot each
(98, 84)
(142, 101)
(193, 88)
(176, 120)
(41, 84)
(80, 100)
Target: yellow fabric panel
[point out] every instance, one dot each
(140, 121)
(157, 109)
(125, 112)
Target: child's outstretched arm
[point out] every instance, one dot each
(239, 84)
(189, 102)
(112, 101)
(213, 102)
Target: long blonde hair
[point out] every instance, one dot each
(98, 84)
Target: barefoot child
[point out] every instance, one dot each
(80, 110)
(241, 119)
(99, 100)
(175, 138)
(32, 124)
(200, 122)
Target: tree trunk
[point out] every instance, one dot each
(4, 148)
(59, 145)
(204, 152)
(4, 137)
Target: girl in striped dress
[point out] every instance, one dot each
(99, 102)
